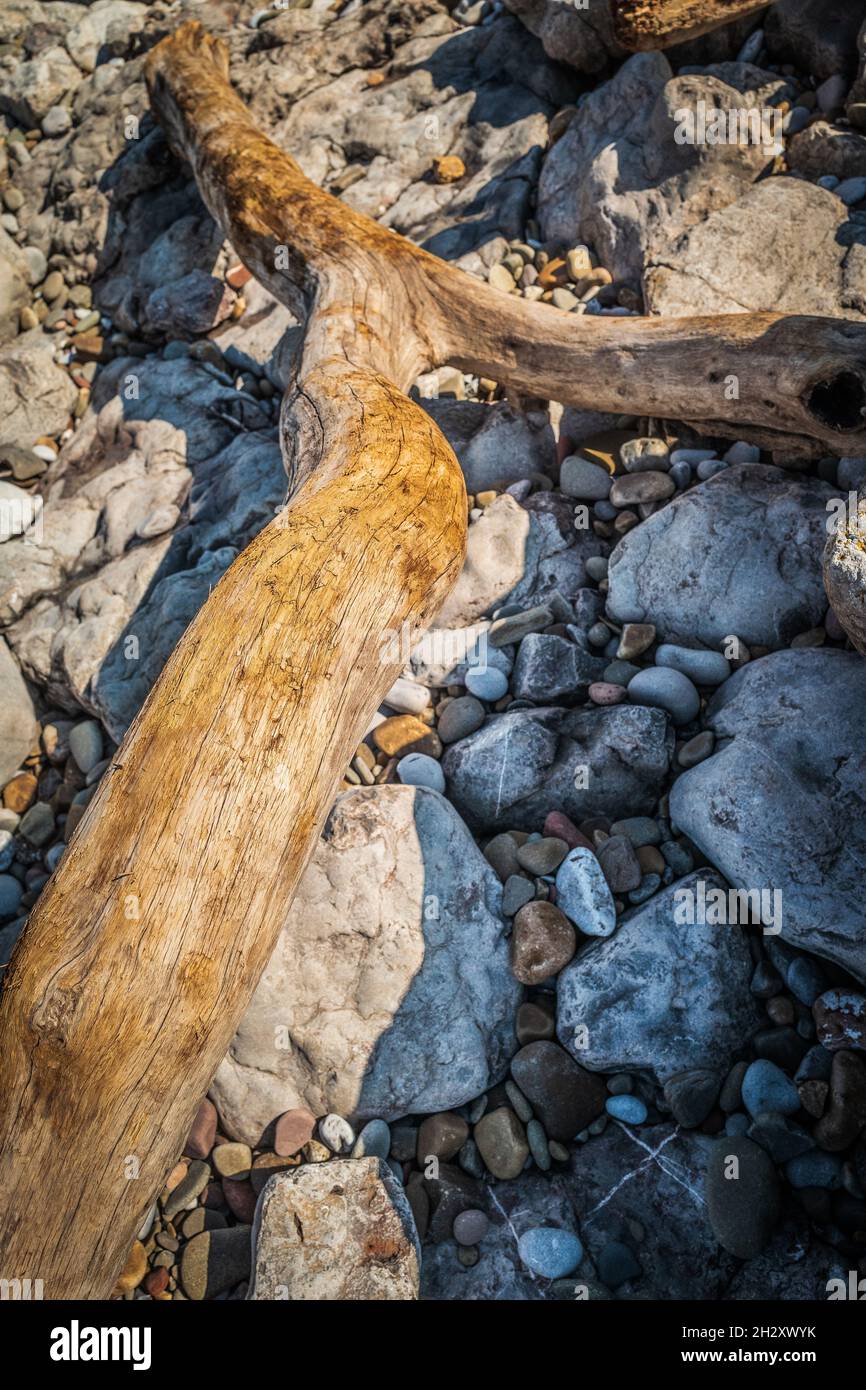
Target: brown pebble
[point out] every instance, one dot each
(441, 1136)
(542, 943)
(156, 1281)
(293, 1130)
(134, 1270)
(534, 1022)
(406, 733)
(203, 1132)
(20, 793)
(448, 168)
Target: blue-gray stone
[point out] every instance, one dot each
(648, 885)
(699, 664)
(781, 1137)
(583, 894)
(638, 830)
(815, 1066)
(815, 1169)
(11, 893)
(489, 685)
(767, 1088)
(550, 1253)
(420, 770)
(806, 980)
(630, 1109)
(668, 690)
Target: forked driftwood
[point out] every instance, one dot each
(144, 949)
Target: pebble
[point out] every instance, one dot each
(638, 830)
(203, 1131)
(649, 884)
(542, 856)
(620, 672)
(619, 864)
(583, 480)
(840, 1018)
(501, 1141)
(743, 1196)
(214, 1262)
(374, 1140)
(534, 1022)
(696, 749)
(691, 456)
(337, 1133)
(542, 943)
(709, 468)
(488, 685)
(596, 567)
(441, 1136)
(558, 824)
(194, 1182)
(814, 1169)
(702, 666)
(630, 1109)
(500, 278)
(420, 770)
(516, 892)
(134, 1270)
(662, 688)
(566, 1097)
(550, 1253)
(851, 190)
(470, 1227)
(86, 744)
(681, 473)
(56, 121)
(692, 1095)
(519, 1104)
(831, 93)
(538, 1145)
(767, 1088)
(516, 626)
(37, 825)
(605, 694)
(731, 1094)
(232, 1160)
(583, 894)
(460, 718)
(636, 488)
(406, 733)
(635, 639)
(642, 455)
(741, 452)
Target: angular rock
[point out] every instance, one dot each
(737, 555)
(333, 1232)
(18, 727)
(521, 766)
(396, 923)
(781, 805)
(661, 996)
(618, 178)
(36, 396)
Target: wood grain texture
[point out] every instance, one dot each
(143, 951)
(645, 24)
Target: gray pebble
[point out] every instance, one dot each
(662, 688)
(701, 665)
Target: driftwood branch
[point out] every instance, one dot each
(644, 24)
(144, 949)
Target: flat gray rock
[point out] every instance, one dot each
(520, 766)
(18, 727)
(737, 555)
(660, 996)
(390, 985)
(720, 266)
(781, 804)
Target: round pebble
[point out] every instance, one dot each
(606, 693)
(585, 481)
(420, 770)
(337, 1133)
(460, 718)
(550, 1253)
(662, 688)
(630, 1109)
(767, 1088)
(488, 685)
(85, 744)
(470, 1227)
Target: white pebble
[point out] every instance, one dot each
(337, 1133)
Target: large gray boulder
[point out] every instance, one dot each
(663, 994)
(721, 266)
(781, 804)
(737, 555)
(619, 180)
(845, 571)
(390, 990)
(332, 1232)
(521, 765)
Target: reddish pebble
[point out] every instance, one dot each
(156, 1281)
(238, 276)
(604, 693)
(213, 1197)
(292, 1131)
(564, 447)
(203, 1132)
(241, 1199)
(560, 827)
